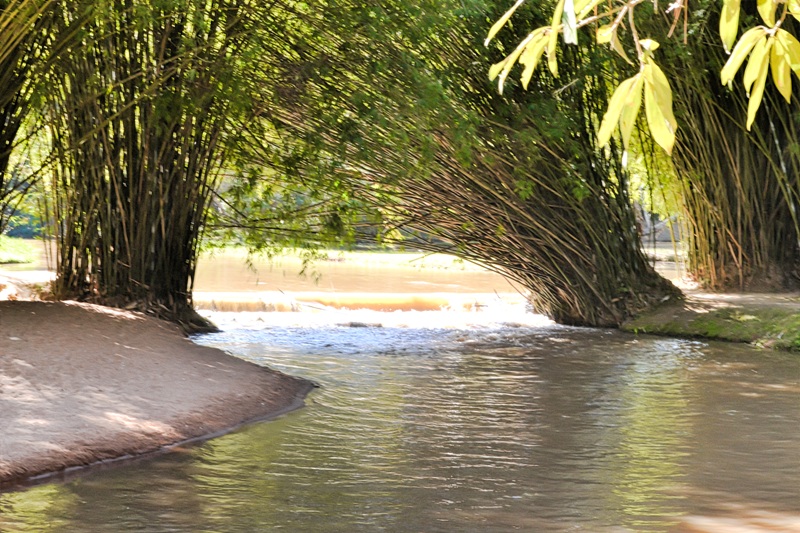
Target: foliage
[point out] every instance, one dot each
(137, 116)
(15, 250)
(738, 186)
(769, 47)
(387, 102)
(26, 45)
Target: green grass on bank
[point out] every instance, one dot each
(768, 327)
(16, 251)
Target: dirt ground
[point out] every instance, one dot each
(81, 384)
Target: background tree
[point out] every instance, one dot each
(391, 100)
(736, 165)
(138, 114)
(26, 44)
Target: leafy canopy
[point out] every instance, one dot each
(767, 48)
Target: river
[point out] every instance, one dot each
(487, 420)
(468, 421)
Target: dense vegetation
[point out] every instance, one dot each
(287, 123)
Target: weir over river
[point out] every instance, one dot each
(482, 418)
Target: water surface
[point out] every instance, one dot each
(487, 422)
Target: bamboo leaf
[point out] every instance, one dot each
(508, 62)
(794, 8)
(497, 26)
(758, 58)
(767, 8)
(729, 23)
(605, 33)
(616, 45)
(552, 62)
(781, 70)
(495, 69)
(650, 45)
(569, 23)
(584, 7)
(658, 107)
(614, 111)
(791, 47)
(630, 110)
(740, 53)
(530, 58)
(757, 94)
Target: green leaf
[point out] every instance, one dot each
(757, 93)
(497, 26)
(781, 70)
(740, 53)
(658, 106)
(729, 23)
(614, 111)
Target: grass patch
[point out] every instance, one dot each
(769, 327)
(16, 251)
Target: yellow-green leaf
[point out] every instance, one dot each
(552, 61)
(569, 23)
(530, 58)
(740, 53)
(583, 7)
(781, 70)
(605, 33)
(618, 48)
(508, 62)
(495, 69)
(614, 111)
(497, 26)
(758, 57)
(794, 8)
(757, 94)
(767, 8)
(630, 110)
(649, 44)
(729, 23)
(658, 106)
(791, 47)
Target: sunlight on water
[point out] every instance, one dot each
(484, 420)
(495, 314)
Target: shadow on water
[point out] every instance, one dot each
(485, 421)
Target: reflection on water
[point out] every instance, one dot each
(384, 273)
(469, 422)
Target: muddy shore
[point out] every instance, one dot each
(83, 384)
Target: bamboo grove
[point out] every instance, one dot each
(284, 123)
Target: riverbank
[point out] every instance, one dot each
(763, 320)
(83, 384)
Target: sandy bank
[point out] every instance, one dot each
(81, 384)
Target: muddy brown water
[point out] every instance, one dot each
(486, 419)
(468, 421)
